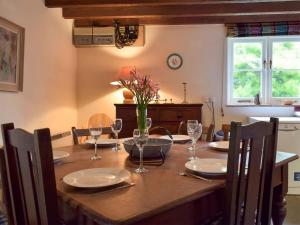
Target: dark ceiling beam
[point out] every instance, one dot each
(109, 3)
(190, 20)
(236, 9)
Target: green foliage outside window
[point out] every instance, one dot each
(248, 67)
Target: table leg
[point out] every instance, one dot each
(279, 207)
(279, 210)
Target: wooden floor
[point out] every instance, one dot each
(293, 210)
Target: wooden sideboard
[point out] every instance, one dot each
(166, 115)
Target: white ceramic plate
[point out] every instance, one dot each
(103, 142)
(96, 177)
(177, 138)
(58, 155)
(208, 166)
(219, 145)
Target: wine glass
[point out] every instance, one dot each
(192, 125)
(140, 139)
(197, 135)
(116, 127)
(149, 123)
(95, 133)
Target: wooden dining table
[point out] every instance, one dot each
(160, 196)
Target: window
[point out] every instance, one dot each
(268, 66)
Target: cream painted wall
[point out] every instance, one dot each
(202, 48)
(48, 99)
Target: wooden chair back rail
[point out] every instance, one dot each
(7, 207)
(208, 131)
(249, 183)
(29, 165)
(58, 136)
(77, 133)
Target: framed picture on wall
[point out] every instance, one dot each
(11, 56)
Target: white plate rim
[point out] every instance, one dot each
(186, 137)
(64, 155)
(118, 181)
(216, 145)
(101, 142)
(205, 160)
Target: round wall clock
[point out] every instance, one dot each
(174, 61)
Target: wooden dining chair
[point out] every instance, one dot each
(249, 192)
(99, 118)
(31, 179)
(78, 133)
(208, 131)
(6, 214)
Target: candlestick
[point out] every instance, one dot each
(184, 93)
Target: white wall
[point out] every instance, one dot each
(202, 48)
(48, 98)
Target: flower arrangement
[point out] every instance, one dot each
(141, 86)
(144, 90)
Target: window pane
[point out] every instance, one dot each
(246, 84)
(247, 56)
(286, 55)
(286, 83)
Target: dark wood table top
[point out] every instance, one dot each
(158, 190)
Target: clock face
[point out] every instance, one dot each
(174, 61)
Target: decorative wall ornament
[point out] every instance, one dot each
(174, 61)
(11, 56)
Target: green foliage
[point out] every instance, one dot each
(246, 84)
(286, 83)
(248, 64)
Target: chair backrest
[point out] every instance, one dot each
(226, 130)
(251, 162)
(31, 178)
(208, 131)
(6, 200)
(99, 118)
(59, 136)
(77, 133)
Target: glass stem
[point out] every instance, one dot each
(194, 150)
(95, 152)
(117, 141)
(141, 157)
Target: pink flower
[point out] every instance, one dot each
(144, 89)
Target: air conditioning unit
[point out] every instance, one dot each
(89, 36)
(102, 36)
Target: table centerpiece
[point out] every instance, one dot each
(144, 90)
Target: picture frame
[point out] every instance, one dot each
(12, 38)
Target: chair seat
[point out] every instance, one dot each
(3, 219)
(217, 221)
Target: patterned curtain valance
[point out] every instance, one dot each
(263, 29)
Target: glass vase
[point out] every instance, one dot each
(141, 115)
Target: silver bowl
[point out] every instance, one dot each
(154, 148)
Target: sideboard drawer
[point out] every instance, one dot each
(164, 115)
(171, 114)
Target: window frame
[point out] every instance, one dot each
(266, 97)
